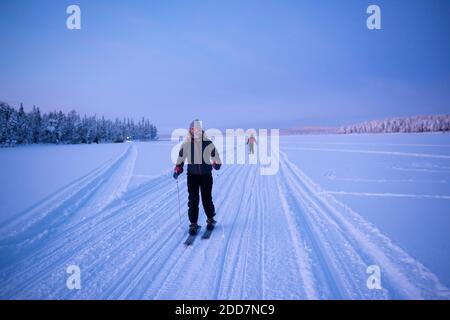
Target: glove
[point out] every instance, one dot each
(178, 170)
(216, 166)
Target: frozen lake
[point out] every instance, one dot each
(338, 204)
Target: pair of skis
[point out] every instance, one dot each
(191, 238)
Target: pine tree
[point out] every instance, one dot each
(35, 121)
(19, 127)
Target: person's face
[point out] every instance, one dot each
(195, 131)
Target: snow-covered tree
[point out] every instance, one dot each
(412, 124)
(19, 127)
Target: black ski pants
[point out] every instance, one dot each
(202, 183)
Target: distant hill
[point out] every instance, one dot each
(309, 130)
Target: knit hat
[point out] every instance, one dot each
(195, 123)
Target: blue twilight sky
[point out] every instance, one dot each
(246, 63)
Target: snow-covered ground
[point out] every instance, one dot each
(398, 182)
(337, 205)
(29, 174)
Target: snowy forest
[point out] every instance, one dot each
(411, 124)
(20, 127)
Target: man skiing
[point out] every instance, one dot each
(198, 150)
(251, 143)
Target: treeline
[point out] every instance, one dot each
(412, 124)
(20, 127)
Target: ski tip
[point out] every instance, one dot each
(207, 233)
(191, 237)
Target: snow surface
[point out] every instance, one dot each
(30, 173)
(337, 205)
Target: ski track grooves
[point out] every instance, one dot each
(406, 277)
(191, 254)
(128, 243)
(19, 246)
(150, 260)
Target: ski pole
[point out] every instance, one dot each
(179, 206)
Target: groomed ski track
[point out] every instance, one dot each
(277, 237)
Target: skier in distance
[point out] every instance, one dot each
(251, 143)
